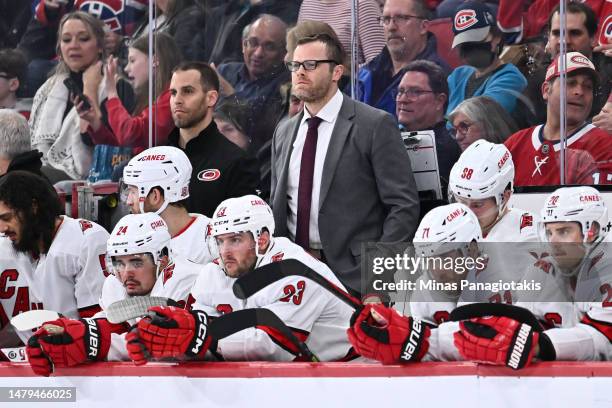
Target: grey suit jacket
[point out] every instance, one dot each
(368, 192)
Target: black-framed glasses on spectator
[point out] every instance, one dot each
(398, 19)
(462, 127)
(309, 65)
(412, 93)
(253, 43)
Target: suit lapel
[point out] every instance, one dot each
(336, 145)
(280, 199)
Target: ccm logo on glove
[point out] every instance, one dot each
(201, 334)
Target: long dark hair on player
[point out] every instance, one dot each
(36, 205)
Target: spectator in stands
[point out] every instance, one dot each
(421, 102)
(13, 67)
(54, 122)
(480, 43)
(257, 80)
(581, 30)
(15, 149)
(111, 123)
(405, 24)
(588, 156)
(13, 21)
(480, 118)
(227, 21)
(232, 119)
(182, 20)
(220, 168)
(337, 13)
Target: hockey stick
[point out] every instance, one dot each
(254, 281)
(33, 319)
(134, 307)
(226, 325)
(518, 313)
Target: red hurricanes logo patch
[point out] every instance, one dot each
(526, 221)
(85, 225)
(278, 257)
(168, 272)
(209, 175)
(580, 60)
(465, 19)
(221, 212)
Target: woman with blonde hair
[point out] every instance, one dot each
(55, 125)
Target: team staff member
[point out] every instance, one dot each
(221, 169)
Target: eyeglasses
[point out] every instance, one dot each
(398, 20)
(253, 43)
(412, 93)
(462, 127)
(309, 65)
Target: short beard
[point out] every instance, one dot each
(189, 123)
(313, 95)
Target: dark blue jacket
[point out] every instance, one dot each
(376, 84)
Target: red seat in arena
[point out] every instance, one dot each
(443, 30)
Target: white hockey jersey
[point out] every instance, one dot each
(515, 226)
(174, 282)
(15, 295)
(314, 315)
(579, 311)
(69, 278)
(190, 243)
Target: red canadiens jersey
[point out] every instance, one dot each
(537, 162)
(514, 17)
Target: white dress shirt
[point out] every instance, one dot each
(328, 114)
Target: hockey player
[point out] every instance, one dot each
(54, 259)
(242, 232)
(137, 255)
(383, 334)
(483, 180)
(157, 180)
(536, 150)
(574, 223)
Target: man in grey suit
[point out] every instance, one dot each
(341, 176)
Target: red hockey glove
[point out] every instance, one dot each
(175, 332)
(499, 340)
(38, 360)
(136, 350)
(78, 342)
(382, 334)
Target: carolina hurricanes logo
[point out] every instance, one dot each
(605, 37)
(85, 225)
(526, 221)
(553, 200)
(209, 175)
(221, 212)
(465, 19)
(168, 273)
(278, 257)
(541, 262)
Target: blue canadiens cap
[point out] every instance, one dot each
(472, 22)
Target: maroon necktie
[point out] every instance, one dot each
(302, 231)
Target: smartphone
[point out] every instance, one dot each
(75, 91)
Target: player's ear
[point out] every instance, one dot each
(263, 242)
(593, 232)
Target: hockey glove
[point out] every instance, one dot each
(382, 334)
(501, 340)
(76, 342)
(174, 332)
(136, 350)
